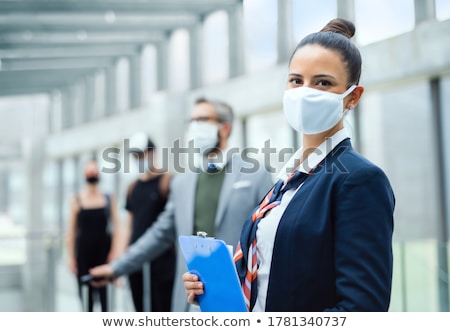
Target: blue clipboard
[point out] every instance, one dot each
(211, 261)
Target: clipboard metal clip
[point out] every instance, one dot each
(202, 234)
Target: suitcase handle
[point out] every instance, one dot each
(87, 278)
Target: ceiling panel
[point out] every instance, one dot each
(51, 52)
(38, 80)
(61, 21)
(177, 6)
(45, 44)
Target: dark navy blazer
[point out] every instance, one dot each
(333, 246)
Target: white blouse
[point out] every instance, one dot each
(267, 227)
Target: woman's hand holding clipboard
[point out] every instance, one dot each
(211, 260)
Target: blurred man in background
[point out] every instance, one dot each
(215, 199)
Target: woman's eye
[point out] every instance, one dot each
(296, 81)
(324, 83)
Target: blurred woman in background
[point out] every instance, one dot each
(93, 233)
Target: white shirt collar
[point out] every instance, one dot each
(315, 157)
(220, 161)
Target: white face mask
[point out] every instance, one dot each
(205, 135)
(312, 111)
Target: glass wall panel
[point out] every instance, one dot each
(122, 84)
(50, 193)
(378, 20)
(397, 134)
(270, 139)
(415, 280)
(179, 61)
(98, 97)
(442, 9)
(260, 40)
(311, 16)
(17, 201)
(149, 72)
(215, 48)
(236, 138)
(70, 173)
(12, 222)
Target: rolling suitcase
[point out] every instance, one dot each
(85, 281)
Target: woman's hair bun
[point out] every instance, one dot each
(342, 26)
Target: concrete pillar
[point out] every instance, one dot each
(135, 80)
(77, 102)
(55, 112)
(195, 56)
(4, 190)
(89, 99)
(66, 108)
(35, 274)
(77, 167)
(284, 31)
(60, 195)
(346, 9)
(443, 211)
(110, 90)
(149, 70)
(99, 95)
(236, 44)
(162, 65)
(123, 84)
(424, 10)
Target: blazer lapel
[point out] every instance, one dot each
(189, 202)
(231, 177)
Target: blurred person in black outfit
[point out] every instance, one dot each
(93, 232)
(146, 198)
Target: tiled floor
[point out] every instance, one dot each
(66, 295)
(12, 253)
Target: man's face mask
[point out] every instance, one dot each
(205, 136)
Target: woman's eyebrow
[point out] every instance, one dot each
(315, 76)
(324, 76)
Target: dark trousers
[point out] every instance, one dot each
(94, 294)
(161, 292)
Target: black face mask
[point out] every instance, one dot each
(92, 179)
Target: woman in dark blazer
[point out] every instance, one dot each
(321, 240)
